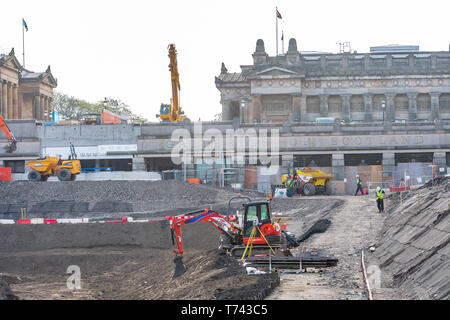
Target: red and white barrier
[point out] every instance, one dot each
(74, 221)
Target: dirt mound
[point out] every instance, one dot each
(209, 275)
(413, 250)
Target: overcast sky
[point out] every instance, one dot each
(118, 49)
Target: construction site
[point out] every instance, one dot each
(325, 176)
(82, 224)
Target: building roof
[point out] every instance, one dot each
(231, 77)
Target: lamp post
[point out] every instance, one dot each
(243, 105)
(383, 106)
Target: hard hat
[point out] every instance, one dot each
(357, 176)
(378, 188)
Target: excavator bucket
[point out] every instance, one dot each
(10, 148)
(179, 266)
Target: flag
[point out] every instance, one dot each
(278, 15)
(25, 24)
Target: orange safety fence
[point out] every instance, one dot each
(193, 180)
(5, 174)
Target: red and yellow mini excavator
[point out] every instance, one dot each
(12, 146)
(254, 232)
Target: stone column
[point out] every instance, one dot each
(138, 164)
(324, 105)
(10, 101)
(368, 100)
(20, 105)
(412, 106)
(5, 100)
(435, 105)
(49, 110)
(15, 100)
(255, 113)
(36, 107)
(337, 162)
(41, 110)
(440, 161)
(297, 107)
(303, 107)
(388, 166)
(226, 112)
(389, 112)
(346, 106)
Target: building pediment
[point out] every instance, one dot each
(275, 72)
(10, 61)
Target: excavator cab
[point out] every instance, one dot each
(255, 213)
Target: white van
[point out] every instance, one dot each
(325, 120)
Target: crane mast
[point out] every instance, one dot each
(172, 113)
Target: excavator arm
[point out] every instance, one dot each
(12, 146)
(218, 221)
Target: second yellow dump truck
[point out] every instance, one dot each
(310, 181)
(65, 170)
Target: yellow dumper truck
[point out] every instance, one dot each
(310, 181)
(65, 170)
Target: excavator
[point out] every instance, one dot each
(253, 233)
(12, 146)
(171, 113)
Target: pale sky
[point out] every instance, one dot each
(118, 49)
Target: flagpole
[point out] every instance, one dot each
(276, 19)
(23, 43)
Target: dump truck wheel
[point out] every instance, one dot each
(34, 176)
(309, 189)
(64, 175)
(328, 188)
(44, 178)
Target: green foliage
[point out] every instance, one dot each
(72, 108)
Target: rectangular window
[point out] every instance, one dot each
(17, 166)
(312, 160)
(368, 159)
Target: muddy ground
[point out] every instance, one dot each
(122, 260)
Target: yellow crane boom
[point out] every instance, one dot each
(172, 113)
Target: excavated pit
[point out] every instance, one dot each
(127, 260)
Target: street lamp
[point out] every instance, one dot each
(383, 106)
(243, 105)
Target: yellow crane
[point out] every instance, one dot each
(170, 113)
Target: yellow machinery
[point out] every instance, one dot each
(311, 181)
(171, 113)
(65, 170)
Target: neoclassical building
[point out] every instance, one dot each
(390, 84)
(24, 94)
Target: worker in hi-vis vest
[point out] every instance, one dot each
(380, 201)
(358, 186)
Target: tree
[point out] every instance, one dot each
(72, 108)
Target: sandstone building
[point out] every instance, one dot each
(389, 84)
(24, 94)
